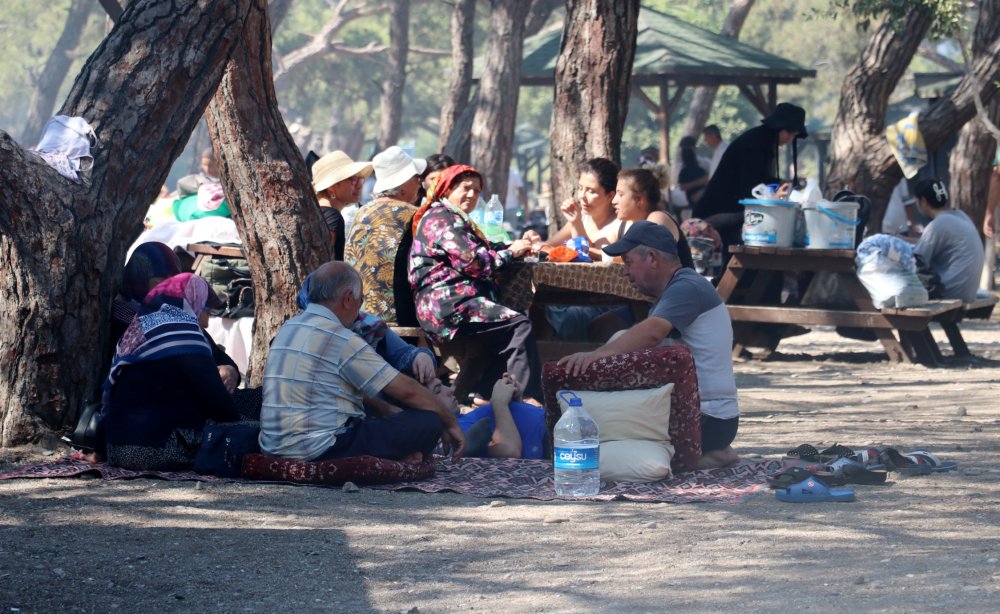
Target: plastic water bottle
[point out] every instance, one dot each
(478, 215)
(493, 221)
(577, 450)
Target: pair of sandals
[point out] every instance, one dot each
(838, 473)
(919, 462)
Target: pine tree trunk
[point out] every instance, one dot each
(63, 245)
(593, 81)
(858, 144)
(971, 165)
(860, 156)
(704, 97)
(391, 105)
(43, 98)
(463, 22)
(492, 143)
(266, 184)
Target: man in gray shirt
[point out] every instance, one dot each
(950, 245)
(688, 311)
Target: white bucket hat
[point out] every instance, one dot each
(393, 168)
(337, 166)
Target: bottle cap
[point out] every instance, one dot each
(570, 398)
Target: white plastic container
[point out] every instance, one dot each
(577, 450)
(831, 225)
(768, 223)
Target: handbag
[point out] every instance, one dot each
(84, 436)
(223, 446)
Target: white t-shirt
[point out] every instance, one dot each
(514, 182)
(717, 156)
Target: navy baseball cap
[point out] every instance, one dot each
(645, 233)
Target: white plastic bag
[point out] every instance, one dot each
(886, 268)
(65, 145)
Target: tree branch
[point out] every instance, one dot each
(112, 8)
(928, 52)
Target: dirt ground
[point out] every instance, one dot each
(917, 544)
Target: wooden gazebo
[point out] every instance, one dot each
(673, 55)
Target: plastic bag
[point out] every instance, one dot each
(886, 268)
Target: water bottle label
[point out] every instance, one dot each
(577, 458)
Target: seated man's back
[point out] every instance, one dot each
(316, 375)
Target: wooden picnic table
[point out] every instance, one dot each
(530, 287)
(904, 333)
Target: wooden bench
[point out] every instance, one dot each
(914, 344)
(979, 309)
(204, 250)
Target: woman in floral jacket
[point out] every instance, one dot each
(453, 272)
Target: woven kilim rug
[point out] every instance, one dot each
(516, 479)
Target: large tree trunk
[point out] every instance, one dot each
(391, 104)
(499, 86)
(704, 97)
(43, 98)
(858, 144)
(267, 187)
(463, 22)
(593, 81)
(971, 162)
(971, 165)
(861, 159)
(63, 245)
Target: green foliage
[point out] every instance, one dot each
(947, 13)
(28, 34)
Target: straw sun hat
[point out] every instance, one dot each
(335, 167)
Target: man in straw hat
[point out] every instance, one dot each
(379, 243)
(337, 180)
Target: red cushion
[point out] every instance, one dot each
(357, 469)
(649, 368)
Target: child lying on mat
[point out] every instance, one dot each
(506, 428)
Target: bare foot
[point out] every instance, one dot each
(719, 459)
(414, 458)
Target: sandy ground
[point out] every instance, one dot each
(923, 543)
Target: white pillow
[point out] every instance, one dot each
(633, 460)
(630, 414)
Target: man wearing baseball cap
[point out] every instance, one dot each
(378, 245)
(689, 311)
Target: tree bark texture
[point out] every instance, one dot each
(62, 245)
(266, 184)
(391, 103)
(858, 144)
(277, 11)
(704, 97)
(43, 98)
(860, 156)
(593, 84)
(492, 142)
(459, 145)
(971, 165)
(463, 22)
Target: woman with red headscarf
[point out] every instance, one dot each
(453, 270)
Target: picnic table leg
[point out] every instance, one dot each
(923, 346)
(897, 350)
(958, 346)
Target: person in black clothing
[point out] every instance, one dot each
(337, 180)
(163, 385)
(751, 159)
(692, 178)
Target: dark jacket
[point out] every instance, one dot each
(751, 159)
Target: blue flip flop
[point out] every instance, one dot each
(813, 490)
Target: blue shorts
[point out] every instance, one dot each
(529, 420)
(716, 433)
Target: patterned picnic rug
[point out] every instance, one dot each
(517, 479)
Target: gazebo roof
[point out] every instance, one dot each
(671, 50)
